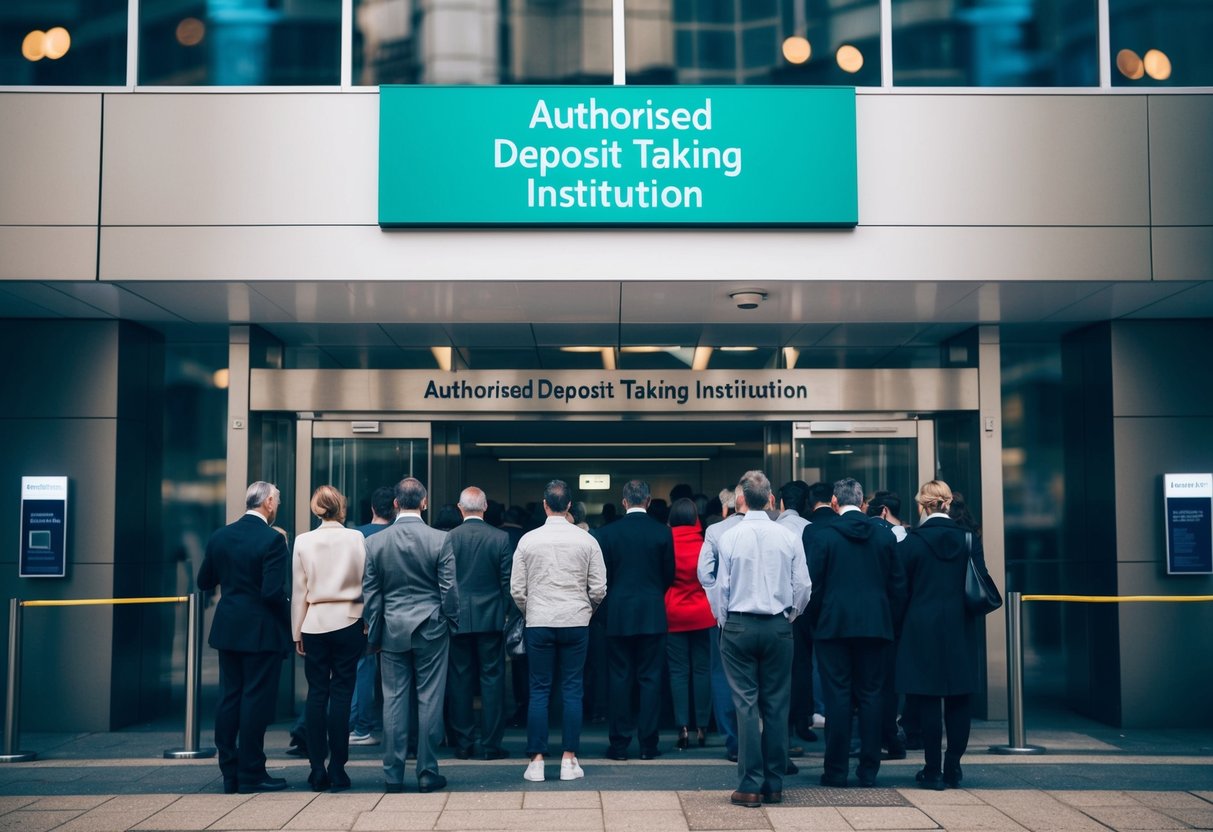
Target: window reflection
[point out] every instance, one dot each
(995, 43)
(753, 42)
(510, 42)
(66, 43)
(240, 42)
(1160, 43)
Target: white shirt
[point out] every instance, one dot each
(762, 569)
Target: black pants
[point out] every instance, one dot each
(852, 670)
(957, 717)
(248, 689)
(801, 713)
(635, 661)
(330, 665)
(477, 657)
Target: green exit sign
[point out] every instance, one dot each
(726, 156)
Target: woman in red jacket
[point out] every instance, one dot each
(690, 620)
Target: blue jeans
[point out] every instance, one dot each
(547, 648)
(722, 695)
(362, 706)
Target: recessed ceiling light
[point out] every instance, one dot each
(738, 349)
(582, 349)
(840, 452)
(644, 349)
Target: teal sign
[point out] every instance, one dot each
(617, 156)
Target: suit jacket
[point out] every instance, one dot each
(408, 591)
(483, 557)
(247, 559)
(858, 582)
(639, 555)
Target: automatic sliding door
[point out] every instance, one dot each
(888, 456)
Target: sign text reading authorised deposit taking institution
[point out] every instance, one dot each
(617, 156)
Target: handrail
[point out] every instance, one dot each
(193, 668)
(1017, 740)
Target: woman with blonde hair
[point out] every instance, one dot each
(326, 622)
(937, 657)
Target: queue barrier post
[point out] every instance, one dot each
(1017, 740)
(12, 709)
(193, 686)
(193, 674)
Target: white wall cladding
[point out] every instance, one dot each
(261, 185)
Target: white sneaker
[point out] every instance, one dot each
(819, 721)
(363, 739)
(570, 769)
(534, 771)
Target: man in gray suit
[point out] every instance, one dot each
(410, 605)
(483, 556)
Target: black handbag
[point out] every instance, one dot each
(981, 595)
(515, 637)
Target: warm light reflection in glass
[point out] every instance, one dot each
(220, 378)
(738, 349)
(444, 356)
(797, 49)
(1157, 65)
(849, 58)
(57, 42)
(32, 48)
(1129, 64)
(703, 357)
(581, 349)
(190, 31)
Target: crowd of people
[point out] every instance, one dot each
(743, 603)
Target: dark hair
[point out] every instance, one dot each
(635, 493)
(658, 510)
(959, 511)
(410, 493)
(381, 502)
(557, 496)
(494, 515)
(683, 513)
(793, 495)
(884, 499)
(681, 490)
(448, 517)
(756, 489)
(820, 492)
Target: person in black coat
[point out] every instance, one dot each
(251, 630)
(858, 595)
(937, 657)
(639, 555)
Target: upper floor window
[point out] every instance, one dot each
(81, 43)
(1161, 43)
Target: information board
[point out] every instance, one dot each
(43, 527)
(1188, 503)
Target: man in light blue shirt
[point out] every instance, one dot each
(759, 585)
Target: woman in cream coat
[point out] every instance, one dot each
(326, 620)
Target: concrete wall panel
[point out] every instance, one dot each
(1181, 159)
(867, 253)
(1154, 375)
(49, 168)
(54, 381)
(1184, 253)
(47, 252)
(241, 159)
(1002, 160)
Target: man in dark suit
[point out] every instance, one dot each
(483, 556)
(859, 590)
(252, 632)
(639, 555)
(410, 603)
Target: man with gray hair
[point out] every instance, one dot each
(860, 590)
(760, 584)
(483, 556)
(411, 604)
(252, 632)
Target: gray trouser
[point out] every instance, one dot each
(756, 651)
(420, 672)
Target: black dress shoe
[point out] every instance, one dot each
(496, 754)
(612, 754)
(230, 785)
(339, 781)
(463, 753)
(393, 788)
(952, 777)
(732, 755)
(297, 751)
(833, 782)
(796, 751)
(650, 754)
(747, 799)
(269, 784)
(791, 768)
(867, 782)
(427, 783)
(772, 797)
(319, 782)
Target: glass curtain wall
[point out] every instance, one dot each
(63, 43)
(1161, 43)
(995, 43)
(503, 42)
(753, 42)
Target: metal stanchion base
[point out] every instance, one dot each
(182, 754)
(1018, 750)
(18, 757)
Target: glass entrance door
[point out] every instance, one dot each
(890, 456)
(356, 458)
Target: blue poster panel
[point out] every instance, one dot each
(1188, 501)
(43, 527)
